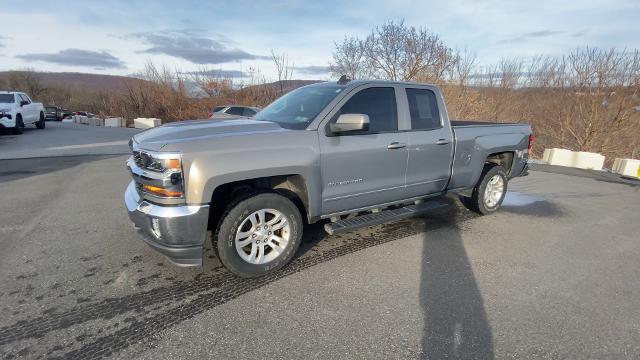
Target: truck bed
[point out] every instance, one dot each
(476, 140)
(460, 123)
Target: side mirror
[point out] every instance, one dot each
(23, 103)
(350, 122)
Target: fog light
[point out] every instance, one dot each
(155, 227)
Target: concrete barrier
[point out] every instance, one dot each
(78, 119)
(576, 159)
(560, 157)
(146, 123)
(627, 167)
(115, 122)
(587, 160)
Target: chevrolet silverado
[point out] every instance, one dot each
(351, 153)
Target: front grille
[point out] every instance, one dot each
(138, 187)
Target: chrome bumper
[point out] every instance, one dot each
(178, 232)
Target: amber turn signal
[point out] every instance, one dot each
(162, 191)
(173, 164)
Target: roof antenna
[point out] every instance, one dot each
(343, 80)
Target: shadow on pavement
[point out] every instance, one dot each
(14, 169)
(455, 322)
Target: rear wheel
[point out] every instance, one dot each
(489, 193)
(19, 128)
(41, 123)
(259, 234)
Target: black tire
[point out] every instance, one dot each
(233, 218)
(41, 123)
(477, 202)
(19, 128)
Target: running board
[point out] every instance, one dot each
(376, 218)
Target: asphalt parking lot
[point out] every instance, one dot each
(553, 275)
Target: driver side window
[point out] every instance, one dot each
(379, 103)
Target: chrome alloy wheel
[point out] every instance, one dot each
(262, 236)
(493, 191)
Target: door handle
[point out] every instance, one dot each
(442, 142)
(396, 145)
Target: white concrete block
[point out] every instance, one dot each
(560, 157)
(616, 165)
(114, 122)
(588, 160)
(146, 123)
(67, 120)
(628, 167)
(545, 155)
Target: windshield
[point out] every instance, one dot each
(296, 109)
(6, 99)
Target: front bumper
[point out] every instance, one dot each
(7, 122)
(178, 232)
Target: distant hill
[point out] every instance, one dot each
(287, 85)
(77, 80)
(117, 83)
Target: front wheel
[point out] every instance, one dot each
(259, 235)
(41, 122)
(19, 127)
(490, 191)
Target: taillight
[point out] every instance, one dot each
(531, 138)
(209, 114)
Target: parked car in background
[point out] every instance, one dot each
(233, 111)
(84, 113)
(356, 153)
(63, 113)
(52, 113)
(18, 110)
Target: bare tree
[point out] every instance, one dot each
(394, 51)
(283, 68)
(28, 81)
(348, 59)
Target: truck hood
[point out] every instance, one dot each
(157, 138)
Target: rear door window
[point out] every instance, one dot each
(235, 110)
(423, 108)
(248, 112)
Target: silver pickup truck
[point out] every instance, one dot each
(354, 153)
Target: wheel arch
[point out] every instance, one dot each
(503, 159)
(292, 186)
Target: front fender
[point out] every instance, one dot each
(253, 157)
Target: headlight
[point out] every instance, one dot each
(158, 162)
(164, 176)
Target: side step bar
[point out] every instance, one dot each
(376, 218)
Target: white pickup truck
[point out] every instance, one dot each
(17, 110)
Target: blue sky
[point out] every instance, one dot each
(119, 37)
